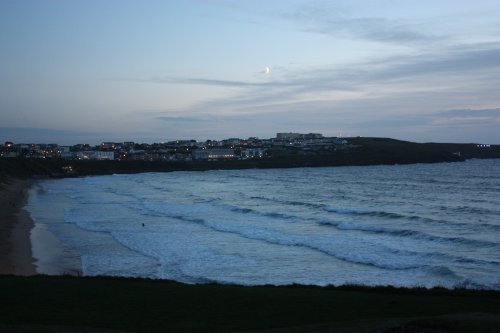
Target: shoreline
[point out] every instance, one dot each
(30, 248)
(16, 256)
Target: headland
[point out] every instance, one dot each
(358, 151)
(107, 304)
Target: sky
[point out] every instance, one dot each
(153, 71)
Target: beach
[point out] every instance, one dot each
(15, 227)
(63, 303)
(404, 226)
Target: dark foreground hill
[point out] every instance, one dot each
(76, 304)
(361, 151)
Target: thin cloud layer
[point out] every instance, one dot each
(320, 19)
(466, 63)
(359, 67)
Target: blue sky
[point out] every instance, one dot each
(152, 71)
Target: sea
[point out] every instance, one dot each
(420, 225)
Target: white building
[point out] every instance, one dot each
(96, 155)
(209, 154)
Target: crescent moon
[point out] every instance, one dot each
(267, 70)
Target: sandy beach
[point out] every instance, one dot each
(15, 226)
(113, 304)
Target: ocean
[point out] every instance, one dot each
(420, 225)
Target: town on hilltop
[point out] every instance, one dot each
(182, 150)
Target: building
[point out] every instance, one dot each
(104, 155)
(287, 136)
(311, 136)
(231, 142)
(96, 155)
(252, 153)
(212, 154)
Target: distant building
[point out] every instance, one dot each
(183, 143)
(287, 136)
(209, 154)
(200, 154)
(64, 149)
(11, 154)
(311, 136)
(96, 155)
(252, 153)
(109, 145)
(297, 136)
(65, 152)
(231, 142)
(104, 155)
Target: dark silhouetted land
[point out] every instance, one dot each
(363, 151)
(141, 305)
(107, 304)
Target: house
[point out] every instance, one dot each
(287, 136)
(96, 155)
(252, 153)
(212, 154)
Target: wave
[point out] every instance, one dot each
(352, 211)
(209, 213)
(407, 233)
(258, 213)
(391, 215)
(269, 235)
(442, 271)
(384, 218)
(471, 210)
(448, 278)
(40, 190)
(343, 247)
(287, 202)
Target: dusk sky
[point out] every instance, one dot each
(153, 71)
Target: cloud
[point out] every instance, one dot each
(456, 60)
(321, 18)
(483, 113)
(372, 28)
(468, 117)
(219, 83)
(202, 81)
(459, 60)
(47, 135)
(383, 96)
(176, 119)
(457, 73)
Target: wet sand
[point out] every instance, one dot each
(15, 229)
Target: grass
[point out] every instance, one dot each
(142, 305)
(367, 151)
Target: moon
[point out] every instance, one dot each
(267, 70)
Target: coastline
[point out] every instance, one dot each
(118, 304)
(15, 228)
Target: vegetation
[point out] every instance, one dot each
(362, 151)
(400, 148)
(40, 303)
(142, 305)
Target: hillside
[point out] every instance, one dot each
(360, 151)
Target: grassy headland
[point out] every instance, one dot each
(141, 305)
(362, 151)
(63, 303)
